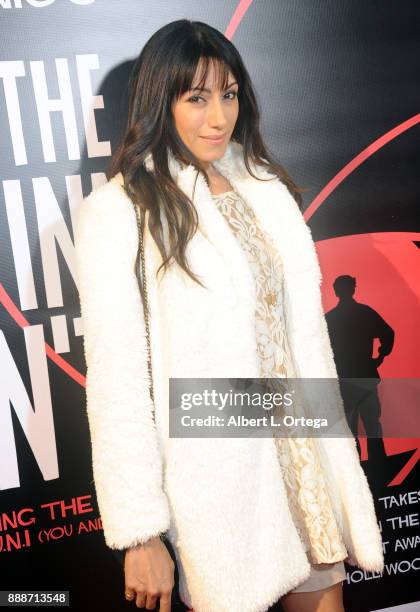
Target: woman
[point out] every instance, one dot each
(232, 282)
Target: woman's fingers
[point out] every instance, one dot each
(141, 599)
(151, 601)
(165, 602)
(130, 594)
(137, 594)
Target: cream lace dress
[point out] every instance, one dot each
(308, 498)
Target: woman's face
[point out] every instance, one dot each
(211, 112)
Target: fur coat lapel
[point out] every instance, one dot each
(212, 224)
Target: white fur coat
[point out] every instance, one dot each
(223, 501)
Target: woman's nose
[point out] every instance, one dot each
(216, 114)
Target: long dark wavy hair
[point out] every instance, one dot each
(161, 74)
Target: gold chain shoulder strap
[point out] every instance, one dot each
(140, 214)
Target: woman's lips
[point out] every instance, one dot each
(214, 140)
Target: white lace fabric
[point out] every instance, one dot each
(306, 488)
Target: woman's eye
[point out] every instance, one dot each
(193, 99)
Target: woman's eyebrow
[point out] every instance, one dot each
(208, 90)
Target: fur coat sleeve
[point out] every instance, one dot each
(117, 379)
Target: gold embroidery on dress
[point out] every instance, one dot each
(306, 488)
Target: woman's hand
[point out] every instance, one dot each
(149, 574)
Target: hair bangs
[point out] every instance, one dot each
(193, 73)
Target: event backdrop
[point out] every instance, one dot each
(339, 91)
